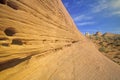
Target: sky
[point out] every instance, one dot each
(95, 15)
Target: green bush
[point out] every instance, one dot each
(97, 38)
(102, 49)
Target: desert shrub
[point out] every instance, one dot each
(116, 43)
(118, 53)
(102, 49)
(97, 38)
(116, 56)
(102, 43)
(107, 39)
(117, 38)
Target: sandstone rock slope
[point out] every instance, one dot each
(39, 41)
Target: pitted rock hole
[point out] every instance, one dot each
(3, 1)
(9, 31)
(17, 42)
(12, 5)
(5, 44)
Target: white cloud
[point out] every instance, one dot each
(83, 20)
(100, 6)
(85, 23)
(116, 13)
(82, 17)
(115, 4)
(110, 6)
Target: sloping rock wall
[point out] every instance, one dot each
(39, 41)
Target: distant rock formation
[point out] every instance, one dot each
(98, 34)
(109, 45)
(39, 41)
(87, 34)
(109, 34)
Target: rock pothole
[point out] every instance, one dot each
(12, 5)
(3, 1)
(5, 44)
(17, 42)
(9, 31)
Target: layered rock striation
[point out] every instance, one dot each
(39, 41)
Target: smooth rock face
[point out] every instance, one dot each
(39, 41)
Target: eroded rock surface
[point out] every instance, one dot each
(39, 41)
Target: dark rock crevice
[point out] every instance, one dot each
(12, 63)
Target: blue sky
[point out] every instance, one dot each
(95, 15)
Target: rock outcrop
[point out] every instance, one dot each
(98, 34)
(110, 34)
(87, 34)
(39, 41)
